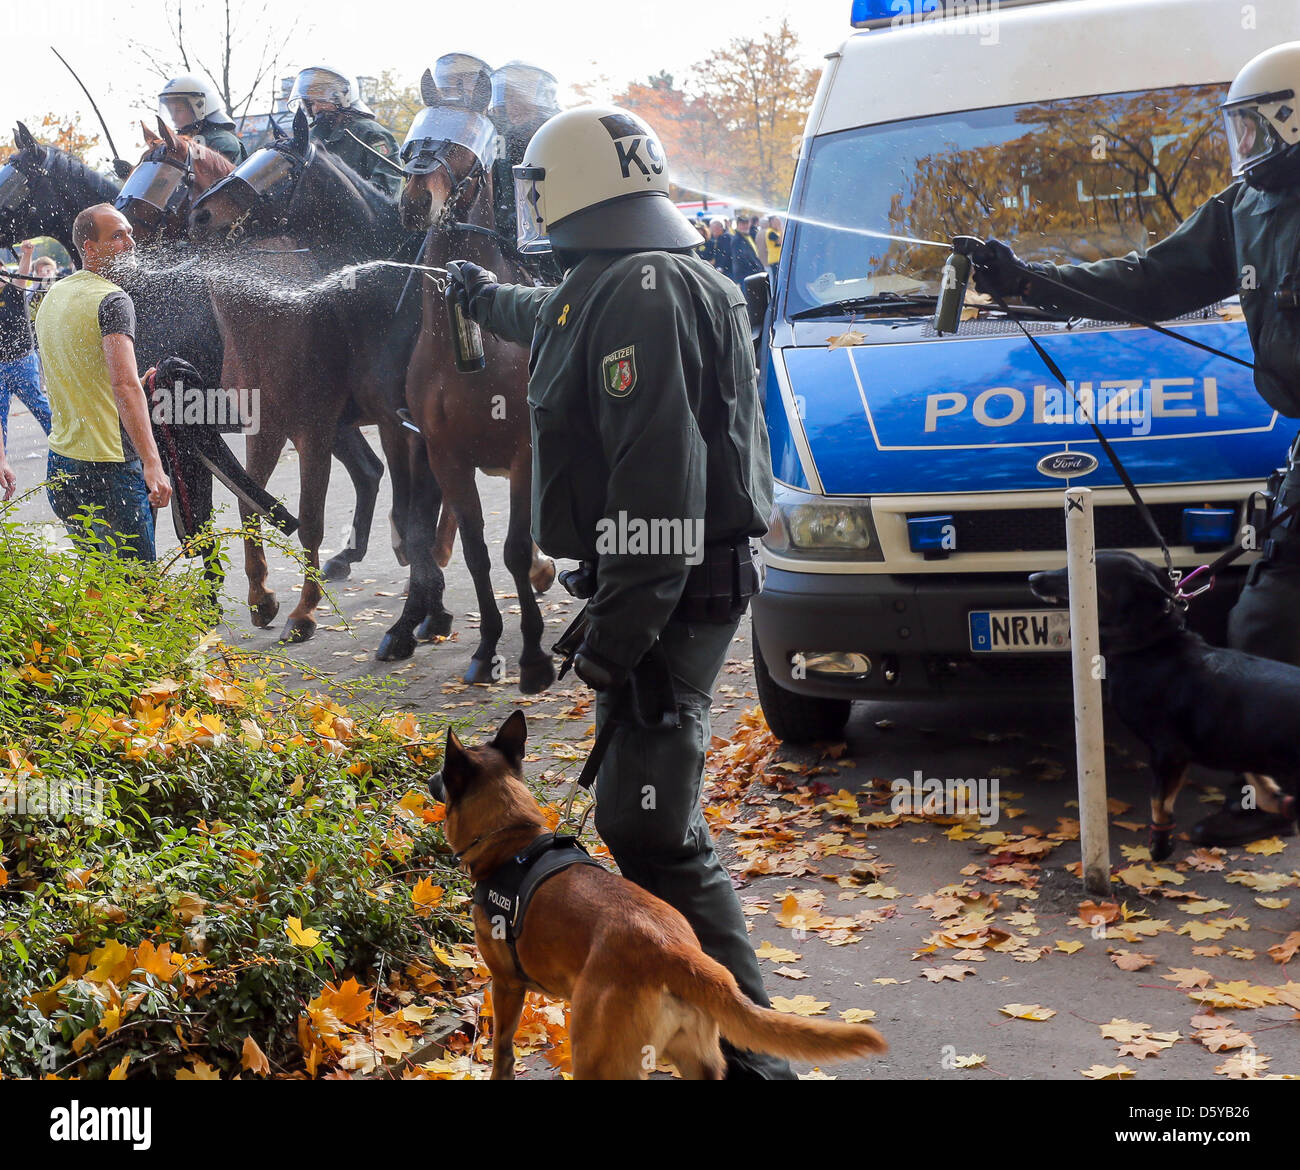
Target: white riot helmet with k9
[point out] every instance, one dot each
(596, 178)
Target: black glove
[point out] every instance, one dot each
(597, 671)
(472, 287)
(997, 270)
(175, 369)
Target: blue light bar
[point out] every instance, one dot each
(1212, 526)
(872, 13)
(931, 534)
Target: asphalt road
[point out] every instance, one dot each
(1026, 745)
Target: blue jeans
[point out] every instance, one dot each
(118, 491)
(22, 377)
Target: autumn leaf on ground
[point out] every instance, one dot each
(1101, 1072)
(1265, 883)
(1187, 977)
(1131, 960)
(1027, 1011)
(1274, 903)
(1124, 1031)
(953, 971)
(299, 936)
(1091, 911)
(1206, 860)
(1285, 951)
(1245, 1065)
(1199, 931)
(1267, 847)
(1142, 1048)
(972, 1061)
(800, 1005)
(1209, 906)
(857, 1015)
(883, 981)
(777, 954)
(792, 972)
(254, 1059)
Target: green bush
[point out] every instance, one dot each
(189, 854)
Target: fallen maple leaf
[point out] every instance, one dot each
(800, 1005)
(792, 972)
(953, 971)
(857, 1015)
(1267, 847)
(1027, 1011)
(1285, 951)
(1124, 1031)
(777, 954)
(1187, 977)
(1101, 1072)
(1069, 946)
(1131, 960)
(1143, 1047)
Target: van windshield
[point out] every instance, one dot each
(1070, 180)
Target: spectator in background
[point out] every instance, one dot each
(8, 481)
(20, 372)
(744, 251)
(773, 238)
(48, 270)
(717, 246)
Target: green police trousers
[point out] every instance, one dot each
(648, 811)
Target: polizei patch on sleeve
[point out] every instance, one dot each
(619, 371)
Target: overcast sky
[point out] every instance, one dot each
(578, 40)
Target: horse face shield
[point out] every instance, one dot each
(530, 210)
(262, 187)
(155, 191)
(437, 127)
(14, 188)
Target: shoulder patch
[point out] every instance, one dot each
(618, 370)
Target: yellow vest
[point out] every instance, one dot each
(773, 248)
(85, 421)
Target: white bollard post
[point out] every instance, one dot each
(1089, 670)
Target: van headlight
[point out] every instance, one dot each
(803, 524)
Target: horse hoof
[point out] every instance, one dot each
(394, 646)
(535, 677)
(336, 569)
(542, 576)
(297, 630)
(436, 625)
(1161, 843)
(481, 672)
(263, 613)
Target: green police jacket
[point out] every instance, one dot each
(1242, 241)
(341, 141)
(648, 433)
(222, 139)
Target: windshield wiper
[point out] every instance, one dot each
(887, 300)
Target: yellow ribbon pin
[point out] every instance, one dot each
(563, 318)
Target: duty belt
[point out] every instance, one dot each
(505, 893)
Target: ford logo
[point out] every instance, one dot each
(1067, 464)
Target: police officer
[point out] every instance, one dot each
(194, 108)
(645, 419)
(1245, 241)
(343, 124)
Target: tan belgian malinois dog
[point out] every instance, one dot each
(641, 989)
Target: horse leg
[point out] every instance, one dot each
(541, 573)
(365, 469)
(314, 480)
(536, 671)
(262, 452)
(423, 609)
(401, 456)
(462, 494)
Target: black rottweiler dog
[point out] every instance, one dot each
(1188, 701)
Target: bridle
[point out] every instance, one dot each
(159, 188)
(265, 202)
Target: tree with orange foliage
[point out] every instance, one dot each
(66, 134)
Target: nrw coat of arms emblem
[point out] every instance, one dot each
(619, 370)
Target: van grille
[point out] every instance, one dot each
(1043, 529)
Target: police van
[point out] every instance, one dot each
(920, 476)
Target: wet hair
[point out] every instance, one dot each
(83, 227)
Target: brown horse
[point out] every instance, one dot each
(469, 421)
(311, 321)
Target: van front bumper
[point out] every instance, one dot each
(914, 630)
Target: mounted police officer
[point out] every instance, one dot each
(343, 124)
(1245, 241)
(651, 468)
(194, 108)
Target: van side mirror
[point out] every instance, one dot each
(758, 295)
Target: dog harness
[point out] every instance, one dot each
(505, 893)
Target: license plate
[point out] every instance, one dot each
(1019, 631)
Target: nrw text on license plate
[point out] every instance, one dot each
(1019, 631)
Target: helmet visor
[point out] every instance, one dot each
(532, 235)
(1251, 137)
(13, 187)
(436, 126)
(523, 95)
(463, 80)
(319, 86)
(160, 185)
(181, 109)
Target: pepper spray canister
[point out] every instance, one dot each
(466, 337)
(952, 284)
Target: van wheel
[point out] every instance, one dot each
(797, 718)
